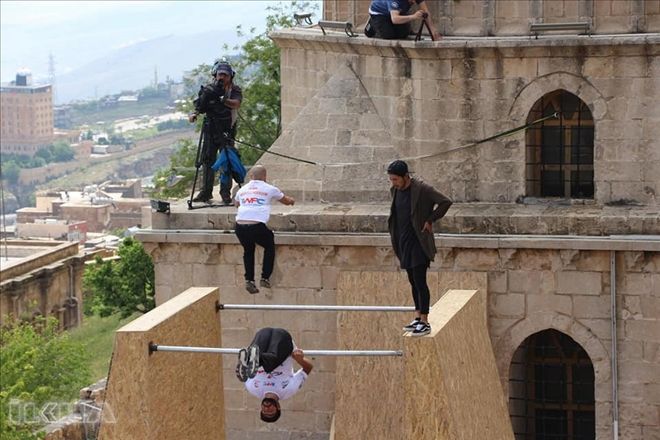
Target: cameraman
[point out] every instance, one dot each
(390, 19)
(220, 101)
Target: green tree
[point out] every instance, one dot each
(37, 365)
(10, 170)
(62, 151)
(45, 154)
(122, 286)
(258, 73)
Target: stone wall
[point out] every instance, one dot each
(513, 17)
(534, 283)
(432, 98)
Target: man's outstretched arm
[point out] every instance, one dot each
(299, 357)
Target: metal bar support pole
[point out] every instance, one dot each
(317, 308)
(214, 350)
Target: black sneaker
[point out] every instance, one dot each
(423, 328)
(412, 326)
(265, 282)
(201, 197)
(251, 287)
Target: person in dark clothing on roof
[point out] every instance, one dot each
(390, 19)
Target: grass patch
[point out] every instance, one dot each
(97, 335)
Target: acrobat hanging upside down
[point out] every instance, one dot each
(266, 367)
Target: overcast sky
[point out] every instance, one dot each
(76, 32)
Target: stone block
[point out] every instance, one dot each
(592, 307)
(599, 327)
(531, 281)
(647, 330)
(526, 68)
(507, 305)
(638, 284)
(579, 283)
(475, 260)
(497, 282)
(549, 303)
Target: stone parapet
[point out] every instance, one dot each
(462, 218)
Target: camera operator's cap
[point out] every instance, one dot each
(398, 168)
(223, 67)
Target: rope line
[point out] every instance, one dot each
(410, 158)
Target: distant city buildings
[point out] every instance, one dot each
(26, 116)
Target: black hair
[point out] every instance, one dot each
(271, 418)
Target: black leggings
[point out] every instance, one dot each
(275, 345)
(250, 236)
(420, 289)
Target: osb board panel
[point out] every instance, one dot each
(367, 385)
(452, 388)
(167, 395)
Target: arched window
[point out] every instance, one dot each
(551, 389)
(560, 152)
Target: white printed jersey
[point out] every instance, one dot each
(282, 381)
(255, 199)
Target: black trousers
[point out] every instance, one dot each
(250, 236)
(420, 289)
(275, 345)
(215, 138)
(384, 28)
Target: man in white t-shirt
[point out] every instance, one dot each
(266, 367)
(253, 201)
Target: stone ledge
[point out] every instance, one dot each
(335, 41)
(612, 243)
(462, 218)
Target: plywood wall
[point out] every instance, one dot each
(167, 396)
(421, 393)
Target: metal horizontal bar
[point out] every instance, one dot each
(316, 308)
(559, 26)
(214, 350)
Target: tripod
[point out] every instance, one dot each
(418, 37)
(228, 171)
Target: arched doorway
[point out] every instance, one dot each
(551, 389)
(560, 152)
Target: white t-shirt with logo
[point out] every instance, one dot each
(255, 199)
(282, 381)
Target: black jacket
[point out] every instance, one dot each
(423, 201)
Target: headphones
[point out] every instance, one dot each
(221, 63)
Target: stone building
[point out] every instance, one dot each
(561, 218)
(42, 278)
(27, 115)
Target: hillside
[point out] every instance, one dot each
(133, 67)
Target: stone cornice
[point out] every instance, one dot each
(312, 39)
(637, 243)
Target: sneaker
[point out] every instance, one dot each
(265, 282)
(251, 287)
(241, 366)
(423, 328)
(412, 326)
(252, 361)
(248, 363)
(201, 197)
